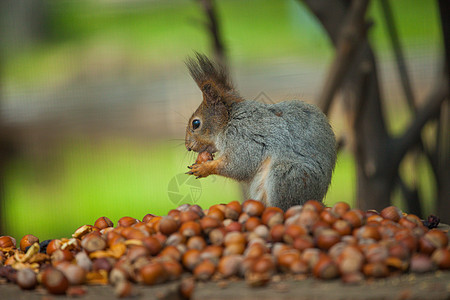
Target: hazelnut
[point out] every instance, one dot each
(441, 257)
(368, 232)
(173, 269)
(392, 213)
(303, 242)
(277, 233)
(127, 221)
(325, 268)
(308, 218)
(7, 242)
(292, 232)
(234, 248)
(216, 212)
(343, 227)
(188, 215)
(233, 226)
(329, 216)
(355, 217)
(203, 157)
(313, 205)
(311, 256)
(272, 216)
(376, 270)
(252, 223)
(327, 238)
(433, 239)
(233, 210)
(75, 274)
(196, 242)
(209, 223)
(190, 228)
(191, 258)
(152, 273)
(168, 225)
(212, 252)
(103, 222)
(217, 236)
(286, 259)
(26, 279)
(123, 289)
(234, 238)
(376, 253)
(153, 245)
(175, 238)
(102, 263)
(229, 265)
(340, 208)
(92, 242)
(187, 287)
(292, 211)
(53, 246)
(421, 263)
(204, 270)
(253, 208)
(148, 217)
(62, 255)
(54, 281)
(27, 241)
(83, 261)
(261, 232)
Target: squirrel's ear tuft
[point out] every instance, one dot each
(212, 79)
(203, 70)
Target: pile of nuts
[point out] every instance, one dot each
(230, 240)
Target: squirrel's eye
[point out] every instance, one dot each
(195, 124)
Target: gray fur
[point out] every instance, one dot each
(297, 139)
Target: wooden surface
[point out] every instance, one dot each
(433, 286)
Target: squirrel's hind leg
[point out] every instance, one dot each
(288, 184)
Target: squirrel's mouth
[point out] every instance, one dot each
(196, 147)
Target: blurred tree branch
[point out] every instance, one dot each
(212, 26)
(354, 71)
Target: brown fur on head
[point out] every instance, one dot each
(213, 113)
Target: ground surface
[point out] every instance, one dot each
(434, 286)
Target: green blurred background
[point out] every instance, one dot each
(100, 96)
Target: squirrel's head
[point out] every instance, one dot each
(212, 115)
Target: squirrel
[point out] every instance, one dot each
(284, 153)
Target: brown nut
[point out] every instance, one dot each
(392, 213)
(190, 228)
(209, 223)
(53, 246)
(340, 208)
(326, 238)
(62, 255)
(168, 225)
(187, 287)
(376, 270)
(313, 205)
(27, 241)
(292, 211)
(343, 227)
(196, 242)
(272, 216)
(325, 268)
(253, 208)
(329, 216)
(92, 242)
(153, 245)
(54, 281)
(421, 263)
(173, 269)
(355, 217)
(203, 157)
(441, 257)
(229, 265)
(233, 210)
(7, 242)
(127, 221)
(26, 279)
(103, 222)
(152, 273)
(191, 258)
(204, 270)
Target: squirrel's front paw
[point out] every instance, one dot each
(200, 170)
